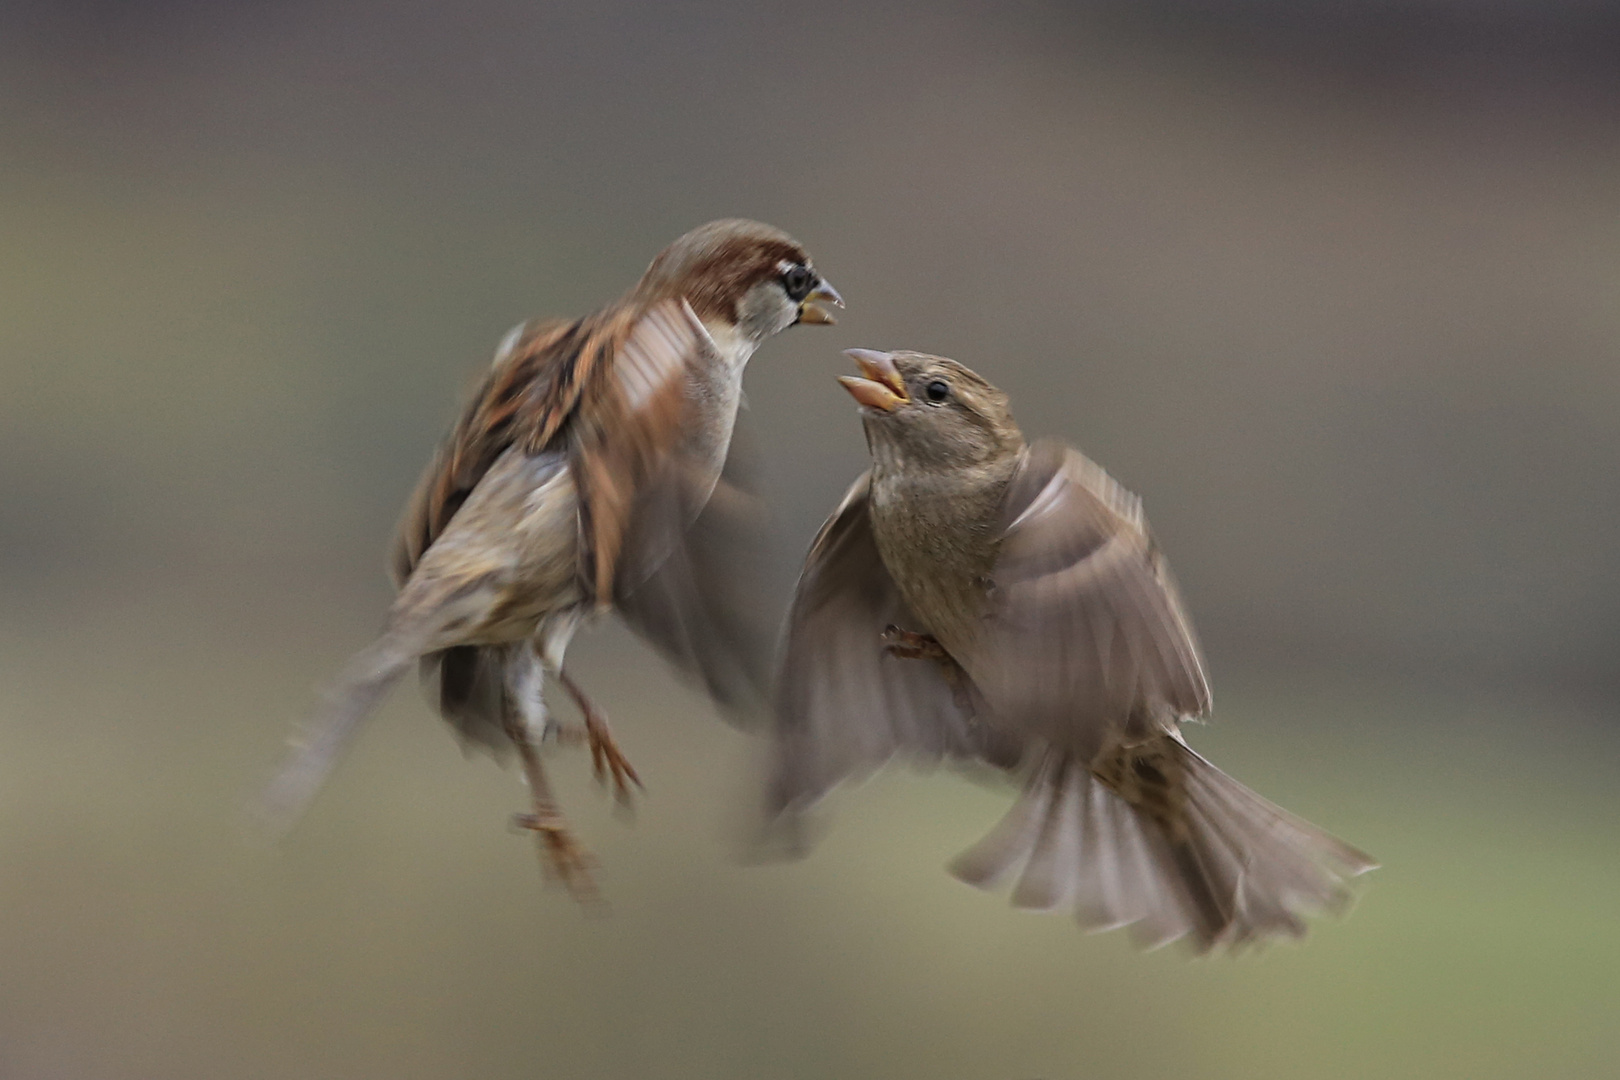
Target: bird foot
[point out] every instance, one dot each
(562, 857)
(607, 760)
(908, 645)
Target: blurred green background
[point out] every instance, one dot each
(1335, 287)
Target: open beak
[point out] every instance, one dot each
(815, 309)
(882, 388)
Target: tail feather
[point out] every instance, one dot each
(418, 618)
(1290, 864)
(1267, 892)
(1050, 879)
(328, 732)
(1231, 869)
(989, 862)
(1139, 895)
(1105, 885)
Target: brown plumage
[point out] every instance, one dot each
(555, 372)
(584, 474)
(978, 599)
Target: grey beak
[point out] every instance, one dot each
(814, 309)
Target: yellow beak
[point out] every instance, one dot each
(882, 388)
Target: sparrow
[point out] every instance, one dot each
(979, 599)
(585, 475)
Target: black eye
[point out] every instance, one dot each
(798, 281)
(937, 391)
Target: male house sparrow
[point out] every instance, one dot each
(977, 598)
(584, 474)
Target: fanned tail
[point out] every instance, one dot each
(1226, 869)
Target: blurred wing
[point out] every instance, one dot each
(1086, 635)
(843, 705)
(695, 587)
(626, 441)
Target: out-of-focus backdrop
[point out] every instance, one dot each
(1336, 287)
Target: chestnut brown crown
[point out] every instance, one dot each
(740, 272)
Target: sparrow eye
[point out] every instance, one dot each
(937, 391)
(798, 281)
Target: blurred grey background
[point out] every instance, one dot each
(1335, 287)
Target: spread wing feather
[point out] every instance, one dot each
(1086, 634)
(843, 706)
(694, 585)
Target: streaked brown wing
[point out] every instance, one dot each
(532, 386)
(611, 384)
(843, 706)
(1086, 636)
(627, 428)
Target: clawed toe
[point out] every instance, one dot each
(607, 760)
(562, 857)
(609, 763)
(907, 645)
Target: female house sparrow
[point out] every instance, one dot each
(977, 598)
(584, 474)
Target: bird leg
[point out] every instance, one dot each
(561, 855)
(606, 758)
(909, 645)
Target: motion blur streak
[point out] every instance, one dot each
(1333, 288)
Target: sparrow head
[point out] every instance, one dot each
(929, 411)
(742, 274)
